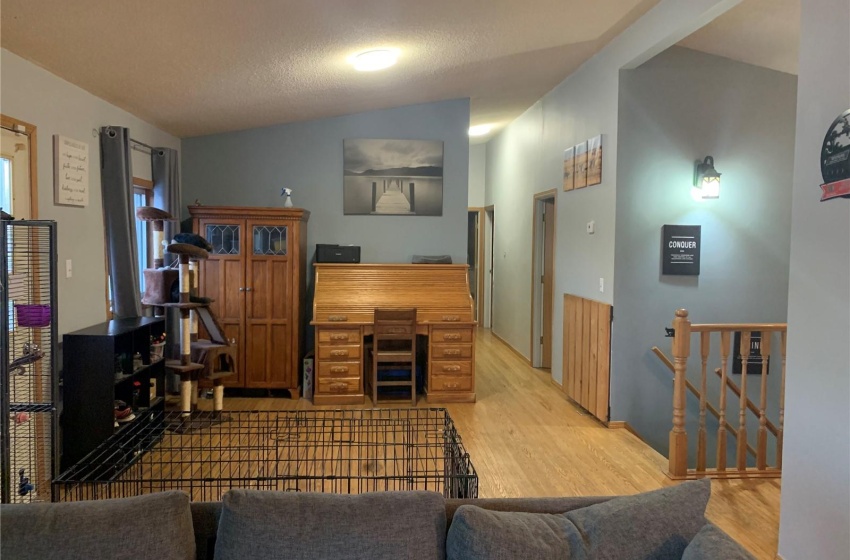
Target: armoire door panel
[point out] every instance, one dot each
(280, 295)
(256, 346)
(280, 371)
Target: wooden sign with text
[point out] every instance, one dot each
(70, 171)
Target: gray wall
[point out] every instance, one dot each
(248, 168)
(54, 106)
(680, 106)
(815, 513)
(527, 158)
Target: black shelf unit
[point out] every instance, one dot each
(98, 370)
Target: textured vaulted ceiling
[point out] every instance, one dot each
(196, 67)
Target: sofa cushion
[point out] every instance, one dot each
(654, 525)
(711, 543)
(382, 525)
(152, 526)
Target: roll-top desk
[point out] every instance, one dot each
(346, 296)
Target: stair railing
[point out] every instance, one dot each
(678, 459)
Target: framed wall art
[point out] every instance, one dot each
(393, 177)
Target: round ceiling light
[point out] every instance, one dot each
(376, 59)
(480, 129)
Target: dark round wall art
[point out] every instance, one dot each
(835, 159)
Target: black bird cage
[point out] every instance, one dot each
(28, 416)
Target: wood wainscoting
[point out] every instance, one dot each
(587, 353)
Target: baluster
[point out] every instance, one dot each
(705, 344)
(678, 464)
(761, 449)
(742, 414)
(780, 432)
(721, 430)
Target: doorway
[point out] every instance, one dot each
(489, 281)
(543, 278)
(18, 190)
(475, 259)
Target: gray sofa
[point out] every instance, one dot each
(247, 524)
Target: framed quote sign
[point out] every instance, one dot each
(70, 171)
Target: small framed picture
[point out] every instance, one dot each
(594, 160)
(581, 165)
(569, 162)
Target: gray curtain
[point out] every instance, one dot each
(166, 188)
(119, 220)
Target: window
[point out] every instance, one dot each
(6, 185)
(142, 197)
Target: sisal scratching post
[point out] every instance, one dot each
(188, 370)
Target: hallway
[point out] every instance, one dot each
(526, 439)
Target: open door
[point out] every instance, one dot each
(18, 194)
(543, 279)
(475, 259)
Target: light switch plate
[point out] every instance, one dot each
(591, 227)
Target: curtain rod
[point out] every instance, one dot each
(136, 142)
(137, 146)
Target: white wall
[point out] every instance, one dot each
(527, 157)
(54, 106)
(477, 174)
(815, 513)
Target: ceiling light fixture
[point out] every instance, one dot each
(480, 129)
(376, 59)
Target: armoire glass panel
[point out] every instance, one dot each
(269, 240)
(224, 239)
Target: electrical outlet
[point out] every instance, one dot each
(69, 268)
(601, 284)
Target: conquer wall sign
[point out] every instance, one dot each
(680, 249)
(835, 159)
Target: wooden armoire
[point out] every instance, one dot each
(256, 275)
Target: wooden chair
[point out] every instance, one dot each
(394, 349)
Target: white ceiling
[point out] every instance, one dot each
(194, 67)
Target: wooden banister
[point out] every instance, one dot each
(771, 427)
(714, 412)
(682, 333)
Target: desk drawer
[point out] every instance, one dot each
(339, 336)
(450, 383)
(451, 368)
(444, 317)
(341, 386)
(326, 318)
(339, 352)
(451, 351)
(339, 369)
(394, 329)
(460, 334)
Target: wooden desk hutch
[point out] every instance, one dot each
(346, 296)
(256, 275)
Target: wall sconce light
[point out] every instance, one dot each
(706, 178)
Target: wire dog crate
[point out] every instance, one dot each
(28, 384)
(340, 451)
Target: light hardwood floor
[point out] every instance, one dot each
(526, 438)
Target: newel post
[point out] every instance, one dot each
(678, 436)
